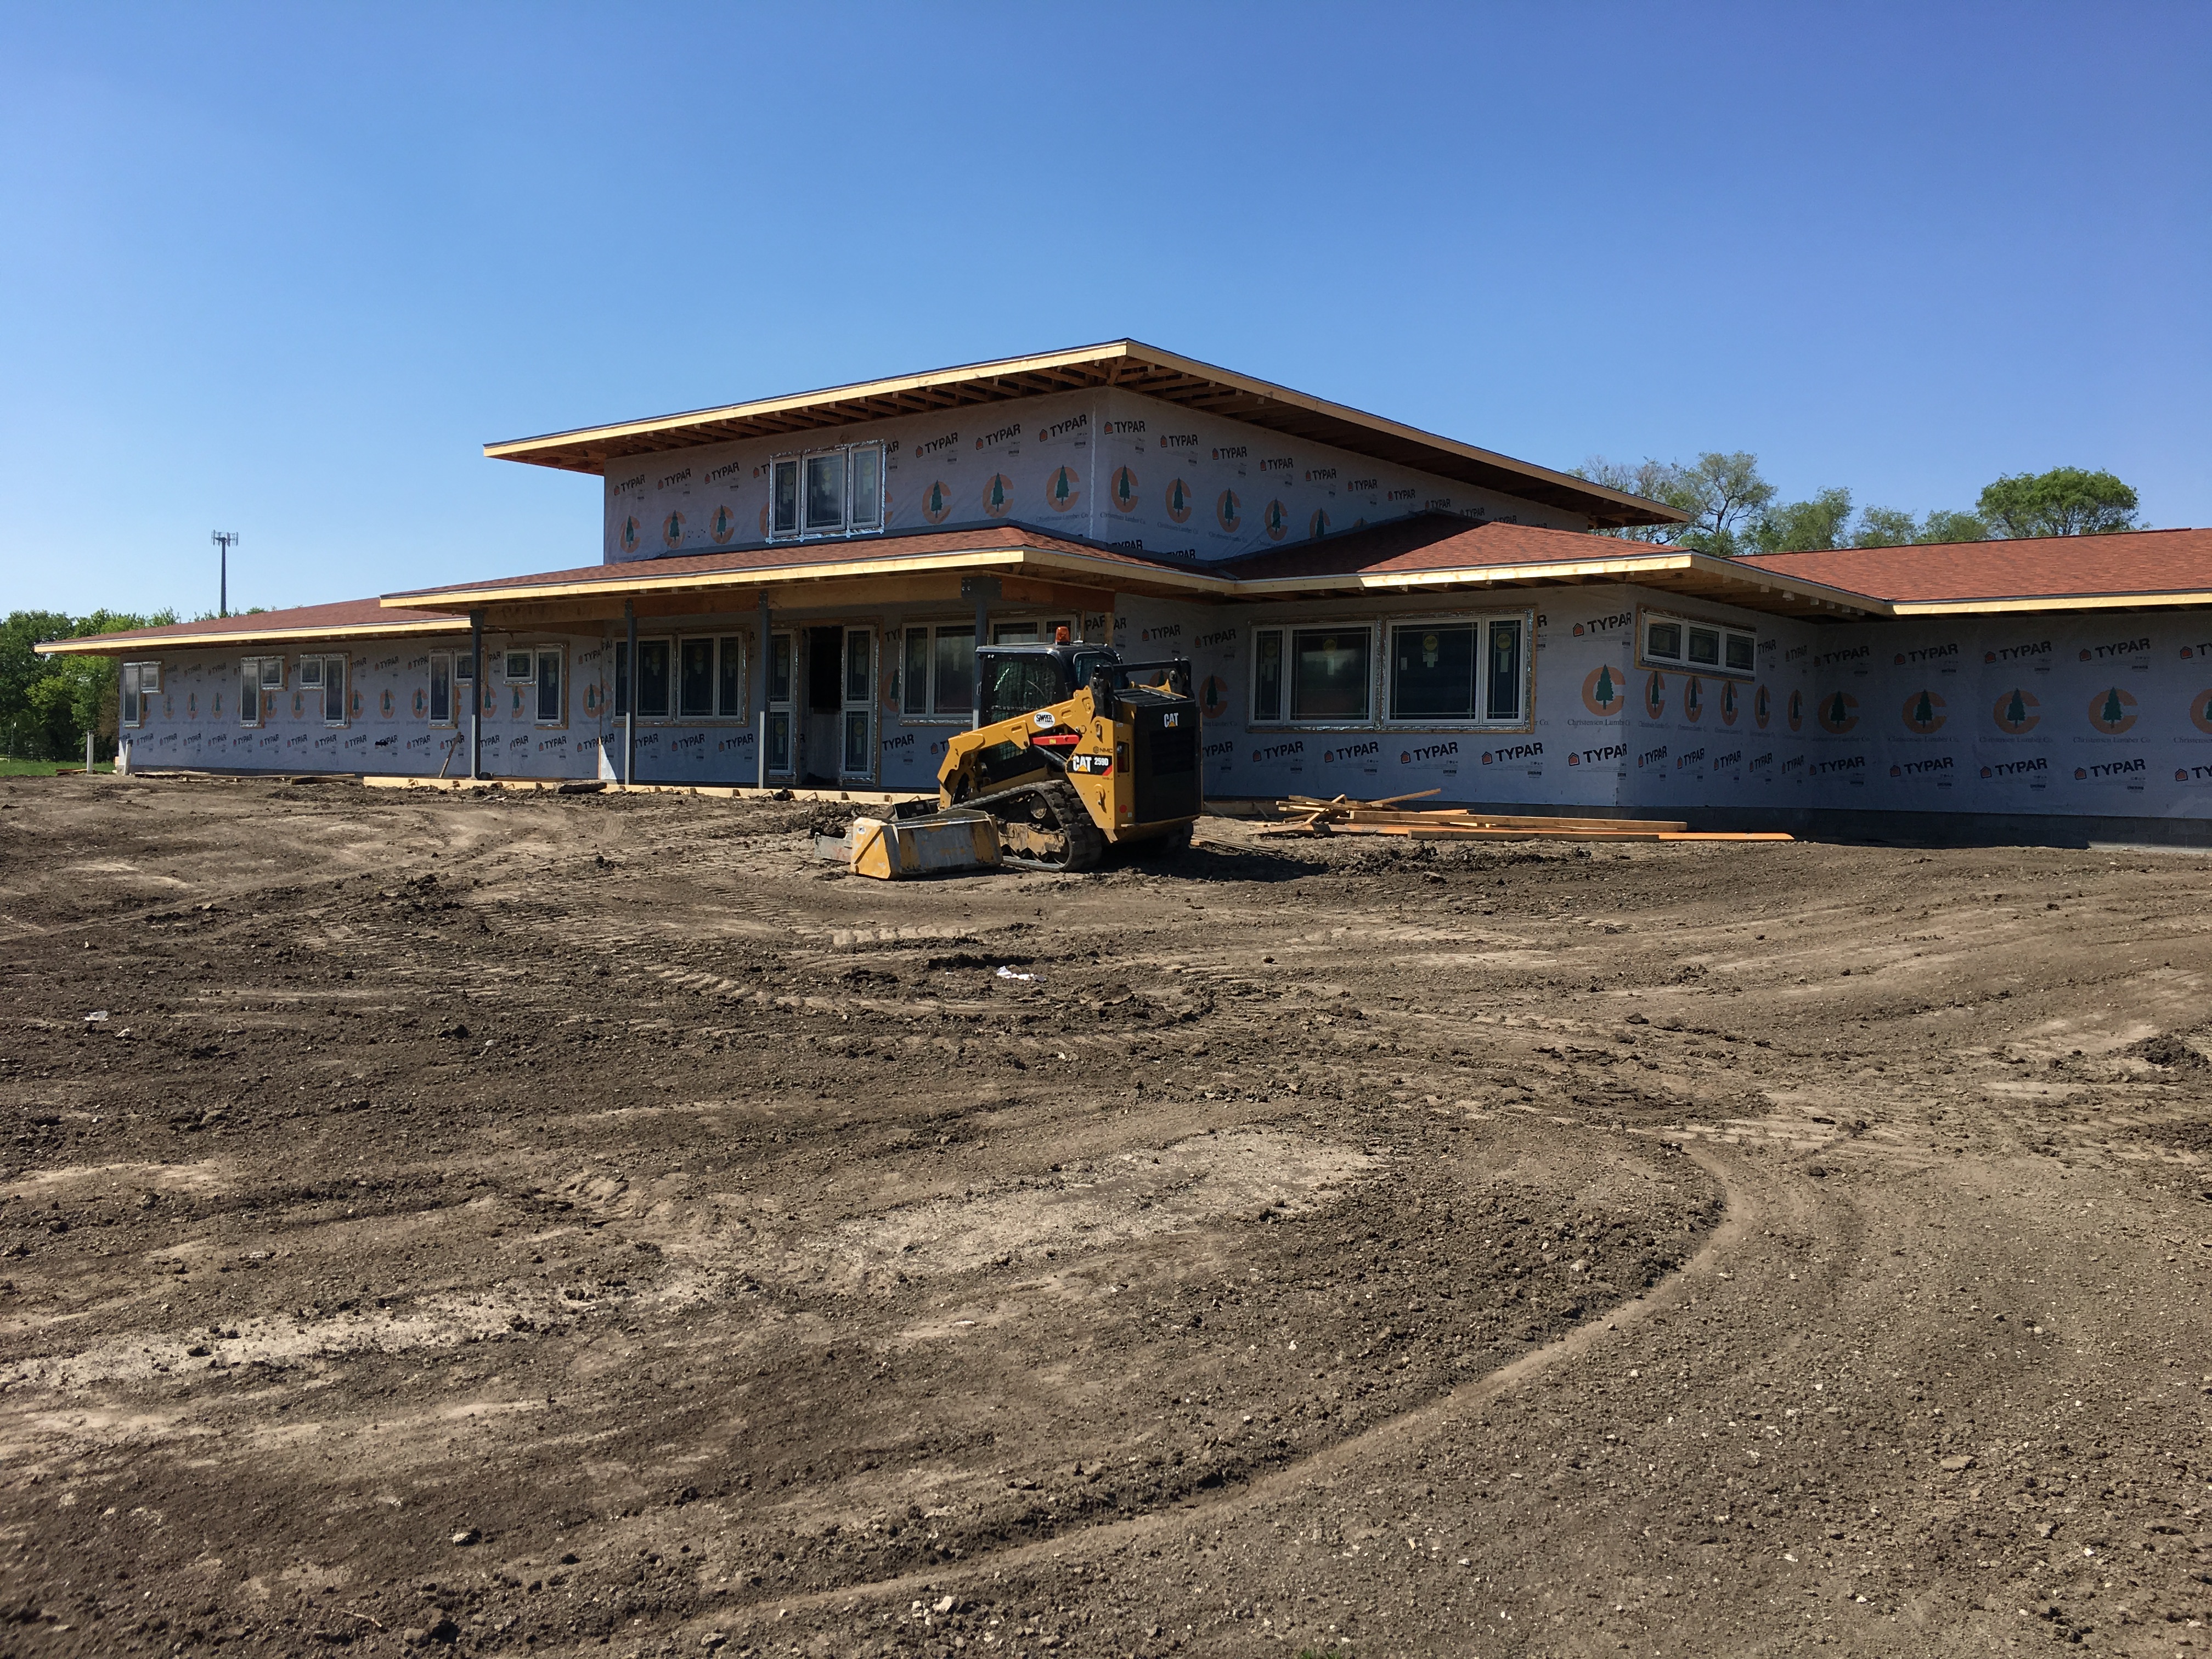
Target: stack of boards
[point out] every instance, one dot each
(1305, 815)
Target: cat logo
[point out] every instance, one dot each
(1178, 502)
(2015, 713)
(1228, 512)
(1603, 690)
(1063, 489)
(724, 525)
(1122, 490)
(2112, 711)
(998, 496)
(937, 502)
(1924, 713)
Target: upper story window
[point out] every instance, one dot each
(827, 492)
(1699, 647)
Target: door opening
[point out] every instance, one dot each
(825, 705)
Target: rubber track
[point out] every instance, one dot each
(1086, 846)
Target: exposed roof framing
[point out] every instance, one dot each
(1127, 363)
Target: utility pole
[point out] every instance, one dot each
(225, 539)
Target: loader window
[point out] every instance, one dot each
(1018, 685)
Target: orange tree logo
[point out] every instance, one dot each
(2112, 711)
(2016, 713)
(1924, 713)
(1730, 707)
(1179, 501)
(422, 703)
(628, 539)
(1839, 712)
(384, 704)
(937, 502)
(299, 705)
(1795, 713)
(671, 530)
(2200, 712)
(1654, 695)
(1275, 521)
(1603, 692)
(1213, 697)
(1694, 698)
(998, 496)
(1228, 512)
(1063, 489)
(1762, 707)
(1122, 491)
(723, 526)
(1317, 525)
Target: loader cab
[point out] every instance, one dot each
(1014, 679)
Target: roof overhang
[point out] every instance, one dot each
(1201, 387)
(1676, 571)
(123, 644)
(2030, 604)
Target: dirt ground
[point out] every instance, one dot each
(590, 1226)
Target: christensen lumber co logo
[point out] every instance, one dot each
(1063, 489)
(1795, 712)
(2016, 713)
(2015, 768)
(671, 530)
(1694, 699)
(1350, 751)
(1179, 501)
(937, 502)
(1228, 510)
(626, 538)
(1317, 525)
(2112, 711)
(1275, 521)
(1762, 707)
(1924, 711)
(722, 526)
(1121, 490)
(1213, 697)
(1839, 710)
(1654, 695)
(1729, 705)
(998, 496)
(1603, 690)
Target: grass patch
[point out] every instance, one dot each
(28, 768)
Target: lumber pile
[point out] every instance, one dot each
(1305, 815)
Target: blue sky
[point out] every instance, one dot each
(284, 269)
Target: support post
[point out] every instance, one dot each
(87, 754)
(630, 702)
(760, 677)
(982, 590)
(476, 694)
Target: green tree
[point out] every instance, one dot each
(1803, 527)
(47, 704)
(1722, 494)
(1943, 525)
(2066, 501)
(1885, 526)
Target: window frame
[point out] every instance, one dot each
(250, 693)
(1382, 692)
(452, 716)
(133, 691)
(625, 677)
(740, 647)
(857, 701)
(929, 713)
(782, 712)
(853, 518)
(335, 667)
(558, 656)
(1680, 662)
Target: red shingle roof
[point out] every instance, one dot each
(2144, 561)
(1426, 541)
(303, 621)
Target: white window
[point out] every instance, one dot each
(254, 673)
(827, 492)
(1701, 648)
(654, 678)
(552, 705)
(140, 681)
(937, 671)
(1028, 630)
(1462, 670)
(857, 756)
(1322, 675)
(441, 705)
(325, 677)
(522, 667)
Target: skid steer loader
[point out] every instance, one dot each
(1075, 750)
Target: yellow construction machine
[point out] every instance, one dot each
(1075, 750)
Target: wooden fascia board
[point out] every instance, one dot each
(112, 645)
(2030, 604)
